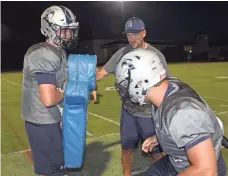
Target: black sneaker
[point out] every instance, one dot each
(96, 102)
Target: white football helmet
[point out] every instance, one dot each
(137, 71)
(59, 25)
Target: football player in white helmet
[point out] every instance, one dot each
(59, 26)
(186, 128)
(44, 76)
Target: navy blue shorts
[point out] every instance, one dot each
(47, 148)
(134, 129)
(163, 167)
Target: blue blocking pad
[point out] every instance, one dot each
(81, 81)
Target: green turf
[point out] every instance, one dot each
(201, 76)
(102, 158)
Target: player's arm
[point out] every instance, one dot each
(49, 95)
(203, 160)
(44, 64)
(195, 136)
(110, 66)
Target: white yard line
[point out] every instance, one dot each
(17, 152)
(12, 82)
(93, 114)
(139, 171)
(104, 118)
(224, 112)
(87, 139)
(103, 136)
(216, 98)
(89, 134)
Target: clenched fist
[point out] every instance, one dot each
(149, 144)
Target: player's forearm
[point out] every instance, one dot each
(54, 98)
(198, 171)
(59, 97)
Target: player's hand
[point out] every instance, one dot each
(99, 76)
(149, 144)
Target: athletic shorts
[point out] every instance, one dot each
(163, 167)
(134, 129)
(47, 148)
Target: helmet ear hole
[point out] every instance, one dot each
(137, 57)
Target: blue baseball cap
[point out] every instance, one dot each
(134, 25)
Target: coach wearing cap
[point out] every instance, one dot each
(135, 121)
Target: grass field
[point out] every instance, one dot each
(103, 142)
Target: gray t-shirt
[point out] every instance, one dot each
(110, 67)
(45, 59)
(183, 120)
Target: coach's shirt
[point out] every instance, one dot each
(182, 121)
(110, 67)
(43, 64)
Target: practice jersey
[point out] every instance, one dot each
(183, 120)
(110, 67)
(50, 61)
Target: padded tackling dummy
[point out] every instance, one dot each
(81, 81)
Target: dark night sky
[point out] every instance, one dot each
(170, 21)
(164, 20)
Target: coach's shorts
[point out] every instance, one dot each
(134, 129)
(47, 148)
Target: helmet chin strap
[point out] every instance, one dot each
(144, 45)
(51, 43)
